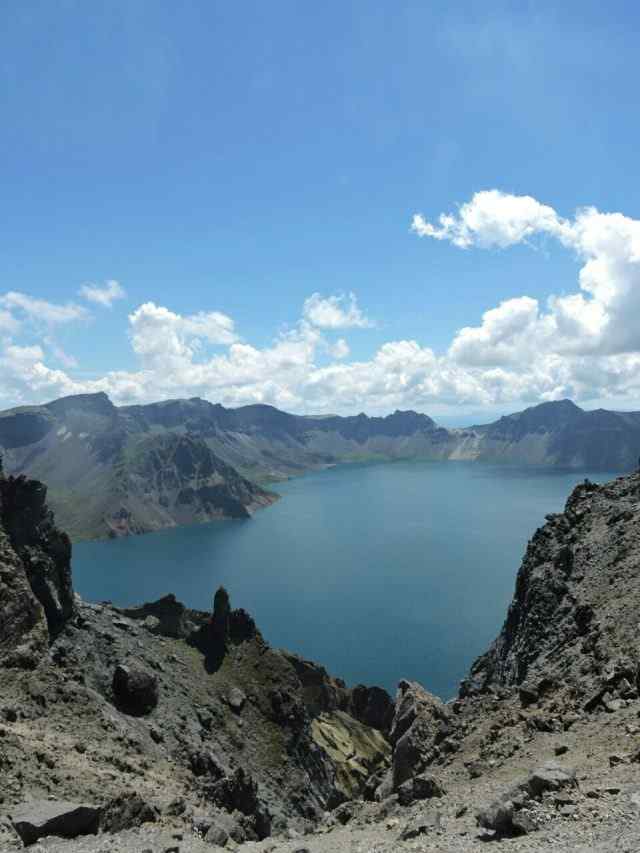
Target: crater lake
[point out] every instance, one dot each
(376, 571)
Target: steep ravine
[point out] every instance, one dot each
(166, 729)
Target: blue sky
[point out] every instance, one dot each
(239, 157)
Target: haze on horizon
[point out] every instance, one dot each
(334, 209)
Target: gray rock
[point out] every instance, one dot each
(505, 816)
(126, 812)
(497, 816)
(422, 787)
(551, 777)
(505, 819)
(217, 835)
(422, 825)
(135, 691)
(40, 818)
(236, 699)
(420, 723)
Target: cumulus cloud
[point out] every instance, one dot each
(334, 312)
(166, 341)
(584, 343)
(597, 320)
(492, 218)
(104, 296)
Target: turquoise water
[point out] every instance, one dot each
(377, 571)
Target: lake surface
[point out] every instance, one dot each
(377, 571)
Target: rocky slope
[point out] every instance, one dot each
(166, 729)
(107, 479)
(561, 434)
(114, 470)
(572, 626)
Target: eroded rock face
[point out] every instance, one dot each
(372, 706)
(421, 723)
(23, 625)
(173, 618)
(44, 550)
(572, 625)
(36, 593)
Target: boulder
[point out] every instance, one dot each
(127, 812)
(40, 818)
(217, 836)
(422, 824)
(550, 777)
(135, 691)
(503, 818)
(422, 787)
(505, 815)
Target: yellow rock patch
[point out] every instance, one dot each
(357, 750)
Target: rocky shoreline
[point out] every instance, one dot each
(161, 728)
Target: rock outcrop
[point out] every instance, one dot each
(420, 732)
(571, 628)
(36, 593)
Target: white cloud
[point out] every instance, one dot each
(598, 320)
(334, 312)
(492, 218)
(8, 323)
(166, 341)
(583, 344)
(105, 296)
(42, 311)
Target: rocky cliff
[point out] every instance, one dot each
(106, 477)
(572, 626)
(36, 595)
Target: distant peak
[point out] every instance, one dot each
(98, 402)
(559, 404)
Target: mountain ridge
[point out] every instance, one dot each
(90, 451)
